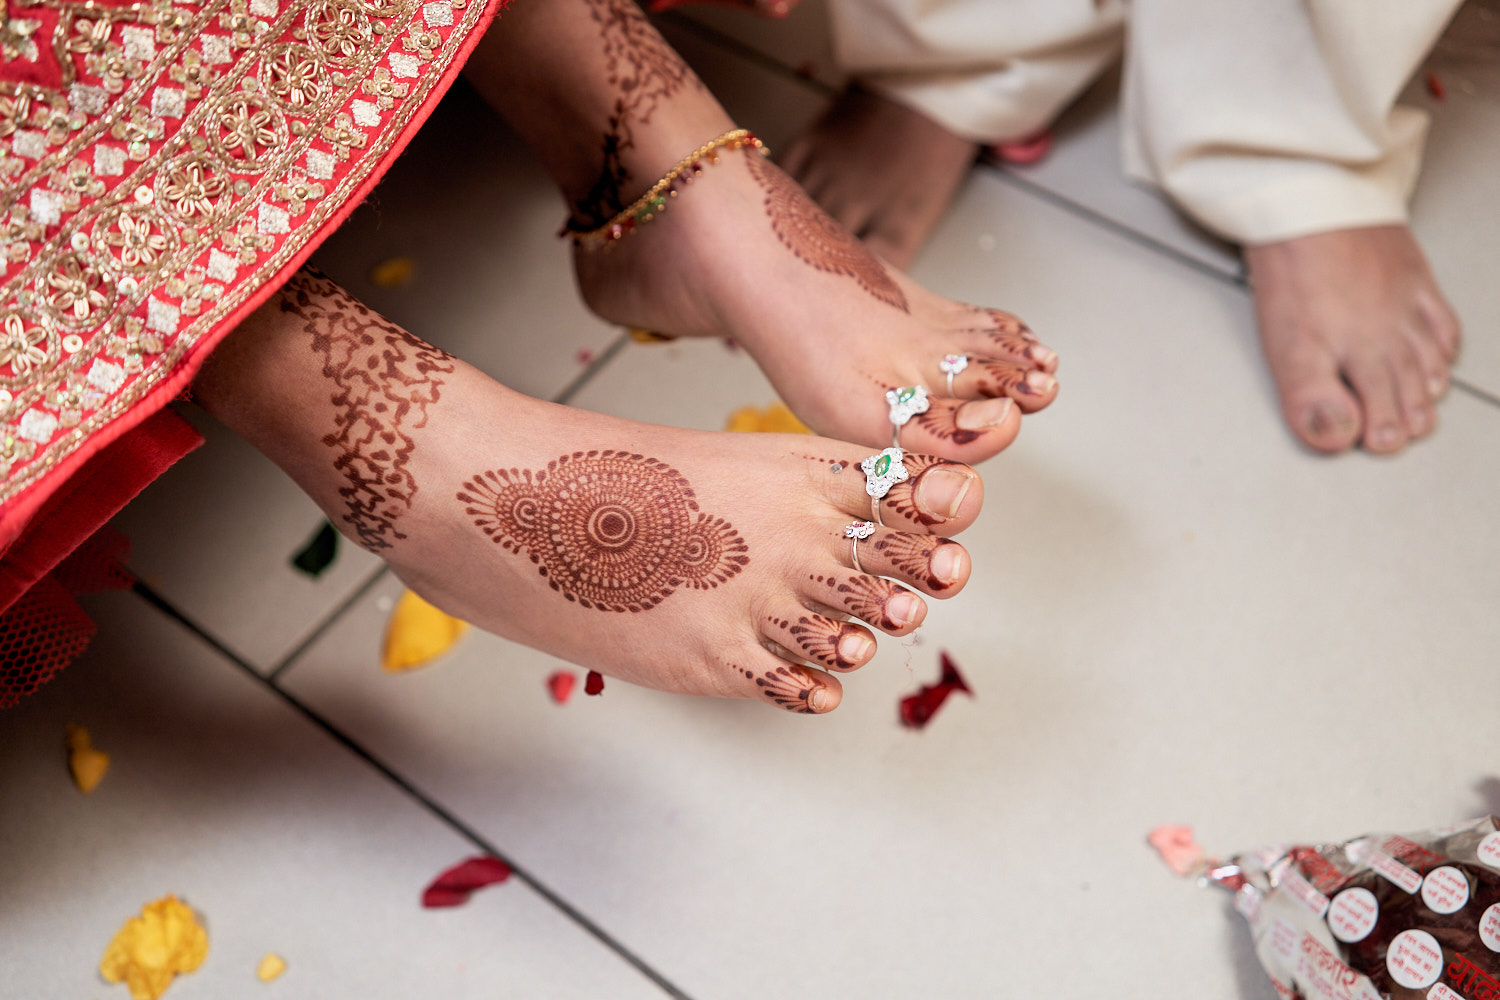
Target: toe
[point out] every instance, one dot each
(998, 334)
(824, 641)
(1413, 395)
(1031, 387)
(969, 431)
(883, 603)
(1374, 383)
(931, 563)
(936, 496)
(797, 689)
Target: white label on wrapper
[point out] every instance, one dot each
(1445, 890)
(1489, 928)
(1414, 960)
(1382, 864)
(1489, 850)
(1352, 915)
(1283, 940)
(1441, 992)
(1293, 882)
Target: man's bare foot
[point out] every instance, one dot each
(712, 564)
(887, 173)
(744, 252)
(1357, 333)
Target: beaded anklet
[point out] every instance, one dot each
(654, 202)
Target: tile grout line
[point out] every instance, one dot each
(327, 622)
(713, 36)
(594, 367)
(1482, 395)
(416, 794)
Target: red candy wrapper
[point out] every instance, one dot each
(454, 886)
(1382, 917)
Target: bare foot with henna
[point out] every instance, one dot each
(1358, 336)
(712, 564)
(742, 251)
(883, 171)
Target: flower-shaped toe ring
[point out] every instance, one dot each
(905, 403)
(883, 471)
(857, 531)
(951, 365)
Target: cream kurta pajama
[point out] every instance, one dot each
(1263, 119)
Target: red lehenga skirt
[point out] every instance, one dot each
(165, 165)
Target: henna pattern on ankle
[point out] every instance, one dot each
(787, 687)
(610, 530)
(384, 380)
(816, 239)
(903, 496)
(644, 71)
(817, 639)
(910, 557)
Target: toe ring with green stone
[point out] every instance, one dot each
(883, 471)
(905, 403)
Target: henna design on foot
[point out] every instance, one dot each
(903, 497)
(1013, 337)
(787, 687)
(863, 596)
(611, 530)
(911, 556)
(385, 379)
(816, 239)
(1005, 378)
(644, 71)
(818, 639)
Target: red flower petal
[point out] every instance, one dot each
(918, 709)
(561, 685)
(453, 886)
(1024, 151)
(1435, 87)
(593, 683)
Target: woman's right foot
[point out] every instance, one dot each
(712, 564)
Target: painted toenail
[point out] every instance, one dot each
(983, 414)
(903, 609)
(1040, 382)
(854, 648)
(945, 563)
(941, 491)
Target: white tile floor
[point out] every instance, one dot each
(1176, 615)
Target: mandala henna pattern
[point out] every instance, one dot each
(816, 239)
(644, 71)
(787, 687)
(610, 530)
(384, 380)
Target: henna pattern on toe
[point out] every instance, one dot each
(863, 596)
(902, 497)
(1004, 378)
(817, 639)
(939, 423)
(644, 71)
(611, 530)
(910, 557)
(816, 239)
(787, 687)
(385, 379)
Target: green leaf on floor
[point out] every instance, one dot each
(319, 552)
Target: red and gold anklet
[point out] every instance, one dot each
(654, 202)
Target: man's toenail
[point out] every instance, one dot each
(1384, 437)
(1436, 386)
(941, 491)
(945, 563)
(903, 609)
(1040, 382)
(1328, 420)
(854, 648)
(984, 414)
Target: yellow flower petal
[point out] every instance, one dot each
(151, 949)
(641, 336)
(270, 967)
(393, 273)
(417, 633)
(774, 419)
(86, 764)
